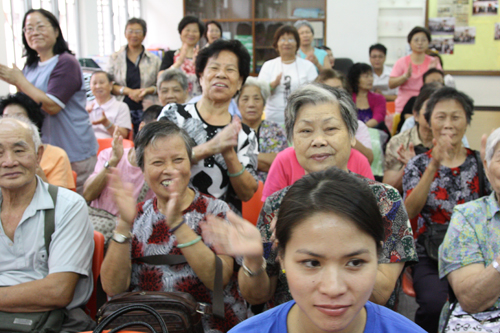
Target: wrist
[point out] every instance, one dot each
(113, 162)
(123, 227)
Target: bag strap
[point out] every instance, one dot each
(174, 259)
(50, 225)
(132, 307)
(480, 173)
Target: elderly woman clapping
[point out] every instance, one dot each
(167, 224)
(469, 255)
(321, 121)
(270, 135)
(225, 158)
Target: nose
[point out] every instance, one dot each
(8, 160)
(331, 282)
(319, 140)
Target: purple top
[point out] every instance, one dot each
(377, 105)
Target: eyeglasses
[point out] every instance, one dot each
(136, 32)
(289, 40)
(39, 28)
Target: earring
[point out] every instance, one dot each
(283, 270)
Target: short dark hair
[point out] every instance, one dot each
(329, 191)
(449, 93)
(432, 70)
(33, 110)
(136, 20)
(206, 28)
(355, 72)
(59, 47)
(378, 47)
(108, 75)
(416, 30)
(286, 29)
(330, 73)
(188, 20)
(155, 130)
(425, 93)
(151, 113)
(219, 45)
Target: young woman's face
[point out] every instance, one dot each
(331, 267)
(366, 81)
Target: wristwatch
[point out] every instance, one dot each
(250, 273)
(106, 165)
(496, 265)
(120, 238)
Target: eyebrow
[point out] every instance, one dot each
(324, 121)
(352, 254)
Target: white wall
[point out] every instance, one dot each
(4, 87)
(483, 89)
(162, 18)
(88, 28)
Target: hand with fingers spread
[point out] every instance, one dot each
(404, 155)
(237, 238)
(11, 75)
(442, 147)
(103, 120)
(117, 148)
(123, 196)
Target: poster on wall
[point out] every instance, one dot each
(442, 44)
(442, 25)
(497, 31)
(464, 35)
(459, 9)
(485, 7)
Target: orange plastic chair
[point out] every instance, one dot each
(251, 209)
(97, 260)
(74, 177)
(107, 143)
(391, 107)
(407, 283)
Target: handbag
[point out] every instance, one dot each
(181, 312)
(459, 321)
(133, 307)
(432, 238)
(37, 322)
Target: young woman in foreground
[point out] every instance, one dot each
(329, 233)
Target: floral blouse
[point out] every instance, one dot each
(272, 139)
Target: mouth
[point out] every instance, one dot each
(166, 182)
(11, 174)
(220, 85)
(332, 310)
(320, 157)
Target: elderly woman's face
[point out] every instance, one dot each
(321, 138)
(306, 35)
(134, 33)
(40, 34)
(165, 159)
(251, 104)
(100, 85)
(171, 92)
(221, 79)
(287, 45)
(493, 171)
(190, 35)
(448, 118)
(330, 261)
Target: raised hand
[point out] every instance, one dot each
(404, 155)
(409, 71)
(173, 211)
(228, 137)
(103, 120)
(441, 150)
(312, 58)
(276, 81)
(123, 196)
(117, 148)
(237, 238)
(11, 75)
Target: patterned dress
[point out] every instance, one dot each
(272, 139)
(151, 236)
(209, 175)
(398, 244)
(450, 187)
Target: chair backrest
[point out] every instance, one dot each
(251, 209)
(107, 143)
(97, 260)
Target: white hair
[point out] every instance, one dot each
(35, 135)
(491, 144)
(251, 81)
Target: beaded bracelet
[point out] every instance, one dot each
(239, 173)
(194, 241)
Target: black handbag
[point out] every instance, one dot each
(115, 316)
(432, 238)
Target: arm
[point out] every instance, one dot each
(394, 178)
(372, 123)
(387, 276)
(415, 201)
(365, 151)
(265, 160)
(378, 105)
(390, 98)
(55, 291)
(245, 184)
(397, 79)
(95, 184)
(256, 289)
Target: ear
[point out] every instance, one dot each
(486, 170)
(39, 153)
(353, 141)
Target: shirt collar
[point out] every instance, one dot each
(492, 205)
(106, 105)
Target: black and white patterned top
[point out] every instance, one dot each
(209, 175)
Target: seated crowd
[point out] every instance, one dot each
(347, 210)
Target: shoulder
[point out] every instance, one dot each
(305, 63)
(67, 60)
(381, 190)
(376, 97)
(211, 204)
(273, 320)
(381, 319)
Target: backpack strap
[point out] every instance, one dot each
(50, 225)
(480, 173)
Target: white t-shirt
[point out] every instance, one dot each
(294, 75)
(382, 82)
(117, 112)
